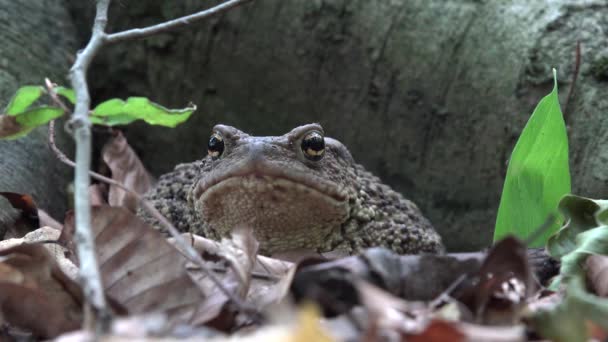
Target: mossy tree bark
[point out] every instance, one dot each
(429, 95)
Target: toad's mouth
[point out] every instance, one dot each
(283, 211)
(269, 174)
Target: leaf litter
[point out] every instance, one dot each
(157, 292)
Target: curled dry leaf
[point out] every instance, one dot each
(140, 269)
(28, 218)
(43, 236)
(502, 285)
(597, 274)
(389, 312)
(270, 278)
(126, 169)
(35, 294)
(240, 253)
(260, 281)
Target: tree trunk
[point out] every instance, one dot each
(429, 95)
(37, 39)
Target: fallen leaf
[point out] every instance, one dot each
(96, 195)
(28, 219)
(390, 312)
(270, 278)
(126, 169)
(35, 294)
(502, 285)
(44, 236)
(140, 269)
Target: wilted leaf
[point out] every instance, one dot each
(140, 269)
(35, 294)
(597, 273)
(12, 127)
(126, 169)
(23, 98)
(28, 220)
(118, 112)
(538, 174)
(503, 284)
(581, 214)
(9, 128)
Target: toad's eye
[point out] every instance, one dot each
(215, 146)
(313, 146)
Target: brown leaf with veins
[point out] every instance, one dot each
(35, 294)
(597, 274)
(126, 169)
(140, 269)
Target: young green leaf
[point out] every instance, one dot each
(23, 98)
(67, 93)
(538, 174)
(118, 112)
(16, 126)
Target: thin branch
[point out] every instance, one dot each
(171, 24)
(80, 123)
(185, 247)
(85, 244)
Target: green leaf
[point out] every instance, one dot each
(118, 112)
(581, 214)
(16, 126)
(590, 242)
(567, 320)
(538, 174)
(23, 98)
(67, 93)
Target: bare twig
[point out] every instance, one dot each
(89, 270)
(185, 247)
(80, 123)
(171, 24)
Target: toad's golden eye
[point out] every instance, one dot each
(215, 146)
(313, 145)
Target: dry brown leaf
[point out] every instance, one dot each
(27, 220)
(35, 294)
(58, 252)
(597, 273)
(502, 285)
(126, 169)
(440, 331)
(140, 269)
(240, 253)
(387, 312)
(270, 279)
(8, 125)
(96, 195)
